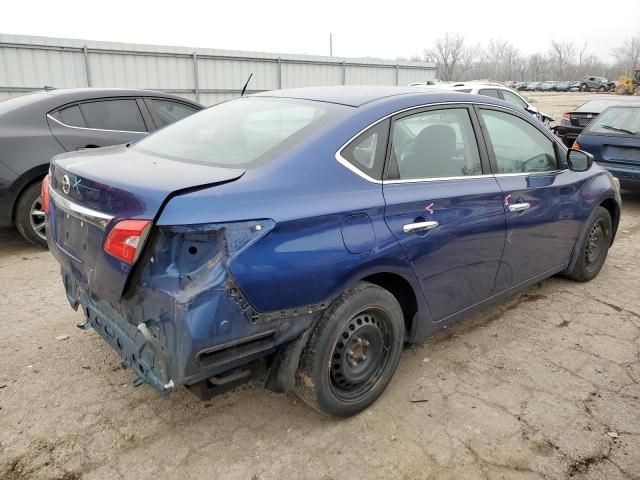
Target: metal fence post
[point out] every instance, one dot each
(279, 72)
(85, 53)
(397, 74)
(344, 73)
(196, 87)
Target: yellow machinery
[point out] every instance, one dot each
(629, 85)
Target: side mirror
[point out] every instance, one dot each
(578, 160)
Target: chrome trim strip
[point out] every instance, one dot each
(345, 163)
(439, 179)
(93, 129)
(88, 215)
(520, 174)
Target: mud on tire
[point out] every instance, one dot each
(353, 351)
(593, 247)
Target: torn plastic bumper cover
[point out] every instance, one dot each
(184, 319)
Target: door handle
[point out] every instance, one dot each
(519, 207)
(419, 227)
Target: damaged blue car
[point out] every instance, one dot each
(309, 233)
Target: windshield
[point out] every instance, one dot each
(623, 121)
(240, 133)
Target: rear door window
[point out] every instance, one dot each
(435, 144)
(165, 112)
(70, 116)
(121, 115)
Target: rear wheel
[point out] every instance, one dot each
(602, 89)
(353, 352)
(594, 247)
(30, 218)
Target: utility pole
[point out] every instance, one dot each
(331, 44)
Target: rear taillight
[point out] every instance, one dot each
(566, 116)
(126, 239)
(575, 146)
(44, 194)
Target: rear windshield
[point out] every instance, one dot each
(240, 133)
(597, 106)
(624, 121)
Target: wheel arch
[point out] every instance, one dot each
(614, 210)
(34, 175)
(404, 293)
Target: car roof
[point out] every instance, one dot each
(61, 96)
(353, 96)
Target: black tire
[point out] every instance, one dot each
(26, 223)
(602, 89)
(333, 379)
(593, 247)
(584, 87)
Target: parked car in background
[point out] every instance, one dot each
(562, 86)
(613, 138)
(575, 86)
(599, 84)
(548, 86)
(532, 86)
(36, 126)
(497, 90)
(572, 123)
(192, 253)
(522, 85)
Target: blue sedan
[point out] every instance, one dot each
(310, 233)
(613, 138)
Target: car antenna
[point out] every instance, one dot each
(246, 85)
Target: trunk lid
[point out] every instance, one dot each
(93, 190)
(581, 119)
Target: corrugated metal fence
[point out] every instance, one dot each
(205, 75)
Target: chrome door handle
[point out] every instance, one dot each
(418, 227)
(519, 207)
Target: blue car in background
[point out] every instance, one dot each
(613, 138)
(310, 233)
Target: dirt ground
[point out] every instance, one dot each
(544, 385)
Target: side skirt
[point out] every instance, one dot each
(493, 299)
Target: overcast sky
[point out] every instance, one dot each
(386, 29)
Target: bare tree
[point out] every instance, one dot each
(562, 54)
(537, 65)
(495, 51)
(628, 55)
(447, 52)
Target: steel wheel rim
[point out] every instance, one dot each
(595, 244)
(37, 219)
(361, 354)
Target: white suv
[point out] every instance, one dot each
(495, 90)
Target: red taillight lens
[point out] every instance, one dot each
(566, 116)
(125, 240)
(44, 194)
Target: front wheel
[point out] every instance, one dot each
(602, 89)
(593, 247)
(30, 218)
(353, 351)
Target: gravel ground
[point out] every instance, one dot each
(543, 385)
